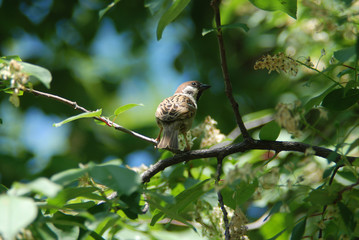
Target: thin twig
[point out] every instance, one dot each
(102, 119)
(220, 198)
(227, 81)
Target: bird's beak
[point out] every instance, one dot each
(203, 87)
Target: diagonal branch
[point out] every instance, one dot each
(102, 119)
(227, 81)
(246, 145)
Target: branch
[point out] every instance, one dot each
(246, 145)
(102, 119)
(220, 199)
(227, 81)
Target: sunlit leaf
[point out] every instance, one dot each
(16, 213)
(120, 179)
(289, 6)
(39, 73)
(41, 185)
(73, 192)
(96, 113)
(126, 107)
(8, 58)
(177, 7)
(68, 176)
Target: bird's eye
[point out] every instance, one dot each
(194, 84)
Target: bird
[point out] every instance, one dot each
(175, 114)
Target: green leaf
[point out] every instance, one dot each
(190, 195)
(328, 171)
(34, 71)
(315, 101)
(345, 71)
(9, 58)
(39, 73)
(41, 185)
(183, 199)
(80, 206)
(298, 230)
(126, 107)
(106, 9)
(344, 54)
(96, 113)
(243, 26)
(120, 179)
(154, 5)
(274, 209)
(72, 193)
(278, 234)
(177, 7)
(288, 6)
(270, 131)
(68, 176)
(348, 175)
(338, 100)
(71, 232)
(16, 214)
(168, 212)
(321, 197)
(353, 145)
(3, 189)
(347, 216)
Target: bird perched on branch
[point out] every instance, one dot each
(175, 114)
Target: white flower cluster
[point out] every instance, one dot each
(17, 79)
(287, 119)
(212, 135)
(278, 62)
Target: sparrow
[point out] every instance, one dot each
(175, 114)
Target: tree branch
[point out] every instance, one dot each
(102, 119)
(227, 81)
(246, 145)
(220, 199)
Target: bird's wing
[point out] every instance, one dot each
(177, 107)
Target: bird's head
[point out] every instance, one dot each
(192, 88)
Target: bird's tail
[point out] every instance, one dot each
(169, 139)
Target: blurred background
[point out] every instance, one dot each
(109, 62)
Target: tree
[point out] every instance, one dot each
(286, 169)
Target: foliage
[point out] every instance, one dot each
(300, 62)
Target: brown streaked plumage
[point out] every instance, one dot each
(175, 114)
